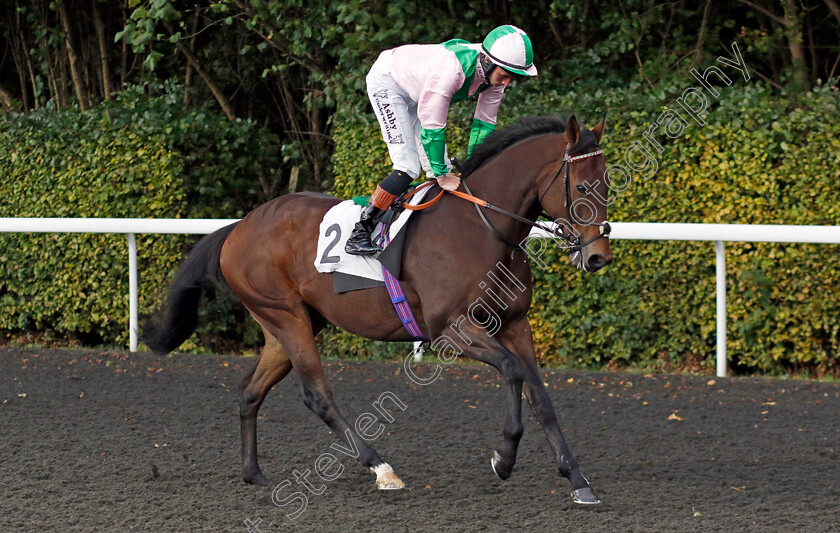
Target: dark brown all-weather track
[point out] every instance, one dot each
(111, 441)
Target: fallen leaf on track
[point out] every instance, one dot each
(675, 417)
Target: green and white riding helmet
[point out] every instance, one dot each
(510, 48)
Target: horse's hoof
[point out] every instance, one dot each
(500, 467)
(396, 484)
(257, 478)
(386, 479)
(585, 496)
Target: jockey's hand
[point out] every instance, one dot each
(449, 181)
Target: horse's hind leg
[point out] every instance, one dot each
(274, 364)
(318, 397)
(295, 333)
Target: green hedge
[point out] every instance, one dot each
(761, 159)
(139, 156)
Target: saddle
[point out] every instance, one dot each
(354, 272)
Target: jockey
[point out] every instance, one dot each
(411, 87)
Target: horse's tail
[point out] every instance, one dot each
(174, 322)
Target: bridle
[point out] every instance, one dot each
(572, 238)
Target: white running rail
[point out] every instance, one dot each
(128, 226)
(717, 233)
(720, 233)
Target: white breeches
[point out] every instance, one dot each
(397, 116)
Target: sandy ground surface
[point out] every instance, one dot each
(98, 440)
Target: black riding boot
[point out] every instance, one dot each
(359, 242)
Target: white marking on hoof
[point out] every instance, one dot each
(386, 479)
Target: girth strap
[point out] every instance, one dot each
(392, 285)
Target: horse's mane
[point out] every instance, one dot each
(526, 127)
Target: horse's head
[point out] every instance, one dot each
(575, 194)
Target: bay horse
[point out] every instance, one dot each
(267, 260)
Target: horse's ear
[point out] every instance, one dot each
(598, 130)
(572, 130)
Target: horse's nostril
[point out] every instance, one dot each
(597, 261)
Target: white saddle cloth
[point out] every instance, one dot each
(336, 228)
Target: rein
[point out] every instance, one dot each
(478, 203)
(574, 241)
(424, 205)
(487, 205)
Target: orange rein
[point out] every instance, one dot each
(430, 203)
(433, 201)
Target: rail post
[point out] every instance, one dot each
(132, 292)
(720, 271)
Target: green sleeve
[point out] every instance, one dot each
(434, 142)
(480, 130)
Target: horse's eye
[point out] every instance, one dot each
(583, 190)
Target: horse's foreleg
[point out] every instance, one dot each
(544, 410)
(272, 366)
(504, 459)
(509, 366)
(566, 463)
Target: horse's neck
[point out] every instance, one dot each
(509, 180)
